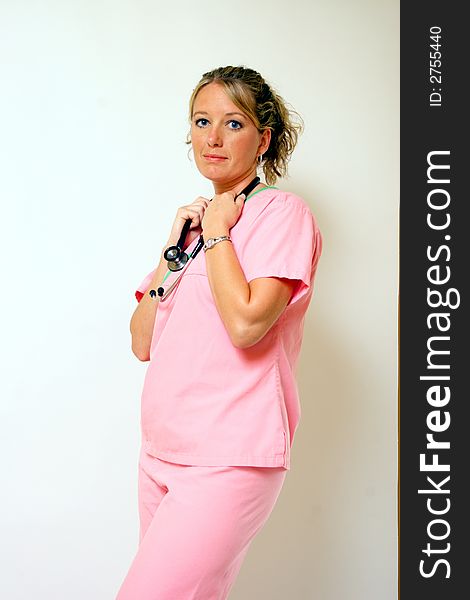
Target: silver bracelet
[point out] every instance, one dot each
(211, 242)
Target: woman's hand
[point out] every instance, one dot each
(195, 212)
(221, 214)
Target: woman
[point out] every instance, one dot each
(220, 404)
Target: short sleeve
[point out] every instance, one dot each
(284, 242)
(144, 285)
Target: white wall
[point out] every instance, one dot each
(93, 115)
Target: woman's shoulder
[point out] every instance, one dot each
(284, 198)
(287, 210)
(287, 207)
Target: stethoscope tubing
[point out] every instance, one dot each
(164, 293)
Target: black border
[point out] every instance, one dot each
(423, 129)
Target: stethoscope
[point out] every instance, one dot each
(178, 260)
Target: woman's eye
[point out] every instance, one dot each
(233, 124)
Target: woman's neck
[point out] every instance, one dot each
(237, 186)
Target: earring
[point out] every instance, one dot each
(260, 159)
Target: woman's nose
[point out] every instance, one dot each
(214, 137)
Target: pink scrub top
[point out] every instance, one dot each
(206, 402)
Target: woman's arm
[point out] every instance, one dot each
(143, 319)
(248, 310)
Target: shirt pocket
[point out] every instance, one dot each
(197, 266)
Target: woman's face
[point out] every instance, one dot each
(225, 141)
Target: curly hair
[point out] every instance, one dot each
(264, 107)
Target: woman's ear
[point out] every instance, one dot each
(264, 142)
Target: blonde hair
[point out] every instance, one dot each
(267, 110)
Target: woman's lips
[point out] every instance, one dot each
(214, 158)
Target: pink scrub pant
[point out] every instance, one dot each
(196, 526)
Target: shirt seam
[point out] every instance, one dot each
(205, 456)
(268, 187)
(280, 396)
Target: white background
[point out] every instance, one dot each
(93, 118)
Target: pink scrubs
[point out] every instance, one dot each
(206, 402)
(196, 526)
(218, 421)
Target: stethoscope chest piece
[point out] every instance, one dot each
(175, 255)
(176, 258)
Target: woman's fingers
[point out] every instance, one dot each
(201, 200)
(194, 211)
